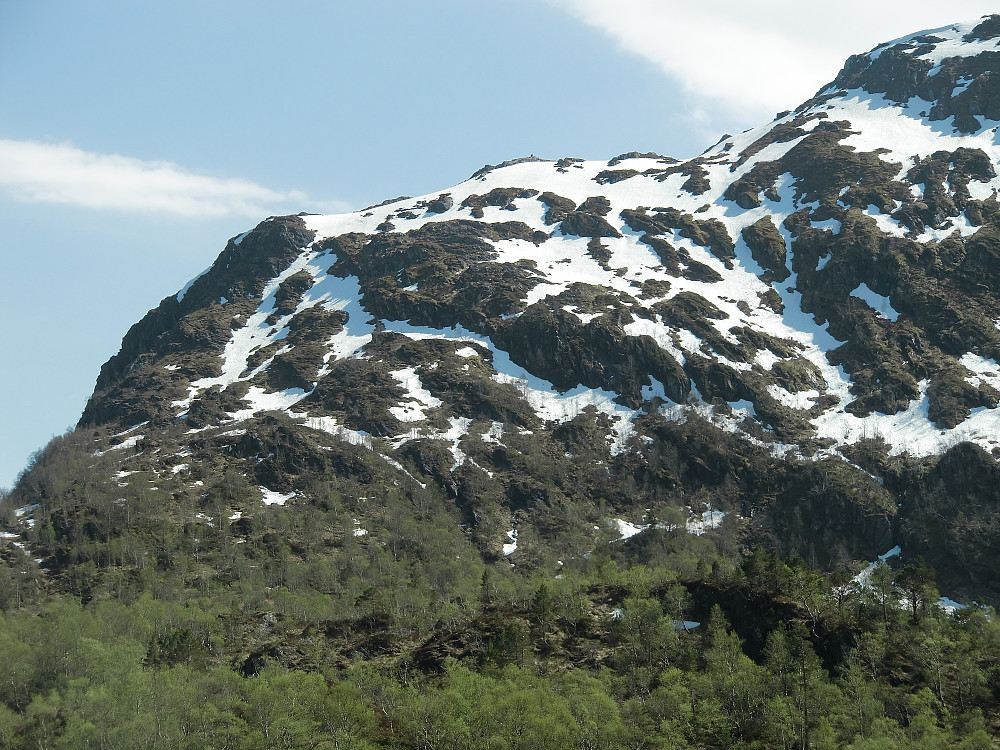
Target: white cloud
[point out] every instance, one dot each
(64, 174)
(755, 58)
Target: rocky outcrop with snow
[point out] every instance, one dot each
(818, 288)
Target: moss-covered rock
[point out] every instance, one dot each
(587, 220)
(951, 516)
(558, 207)
(555, 345)
(501, 197)
(767, 247)
(708, 233)
(697, 182)
(611, 176)
(831, 512)
(637, 155)
(795, 375)
(951, 398)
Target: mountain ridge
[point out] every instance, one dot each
(719, 235)
(809, 307)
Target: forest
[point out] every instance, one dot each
(286, 627)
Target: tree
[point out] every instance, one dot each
(859, 690)
(882, 587)
(737, 685)
(799, 676)
(916, 581)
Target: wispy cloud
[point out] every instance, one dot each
(757, 58)
(64, 174)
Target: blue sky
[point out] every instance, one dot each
(136, 137)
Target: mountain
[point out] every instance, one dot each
(556, 418)
(799, 328)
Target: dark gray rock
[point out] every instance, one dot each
(440, 204)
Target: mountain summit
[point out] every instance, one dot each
(789, 331)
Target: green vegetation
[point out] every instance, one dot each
(168, 620)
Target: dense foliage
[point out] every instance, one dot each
(285, 628)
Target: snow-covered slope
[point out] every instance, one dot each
(699, 252)
(827, 280)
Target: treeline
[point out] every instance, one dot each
(596, 658)
(173, 610)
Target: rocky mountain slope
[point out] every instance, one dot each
(794, 336)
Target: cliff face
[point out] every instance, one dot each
(792, 326)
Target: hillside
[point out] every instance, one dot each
(478, 428)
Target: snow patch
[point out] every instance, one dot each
(511, 547)
(260, 331)
(270, 497)
(984, 371)
(710, 519)
(494, 433)
(877, 302)
(950, 605)
(419, 397)
(627, 530)
(685, 624)
(695, 524)
(123, 445)
(583, 317)
(801, 400)
(330, 426)
(863, 578)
